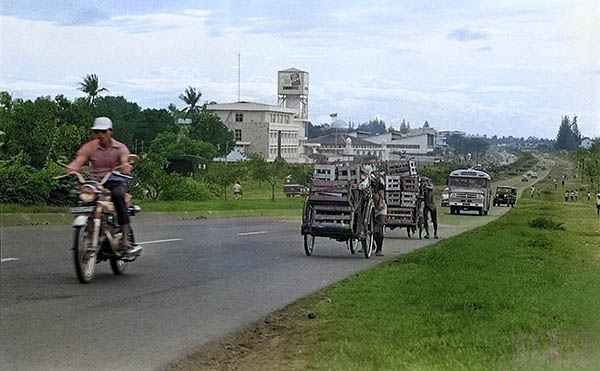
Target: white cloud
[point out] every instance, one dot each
(524, 66)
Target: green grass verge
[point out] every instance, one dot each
(503, 296)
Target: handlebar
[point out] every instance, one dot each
(131, 159)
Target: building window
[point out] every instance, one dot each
(239, 117)
(238, 134)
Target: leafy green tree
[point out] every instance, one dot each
(150, 178)
(403, 127)
(375, 126)
(271, 172)
(566, 139)
(156, 121)
(36, 129)
(591, 166)
(168, 144)
(128, 120)
(471, 145)
(191, 98)
(208, 127)
(300, 173)
(90, 86)
(225, 174)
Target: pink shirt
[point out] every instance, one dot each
(103, 159)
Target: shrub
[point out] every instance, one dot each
(186, 189)
(23, 184)
(545, 223)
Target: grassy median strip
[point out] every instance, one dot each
(505, 295)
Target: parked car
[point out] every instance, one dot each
(294, 190)
(533, 175)
(505, 196)
(524, 178)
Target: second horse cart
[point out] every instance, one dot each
(404, 197)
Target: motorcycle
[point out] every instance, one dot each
(97, 234)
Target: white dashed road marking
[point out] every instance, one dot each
(158, 241)
(251, 233)
(9, 259)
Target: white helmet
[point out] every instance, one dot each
(102, 123)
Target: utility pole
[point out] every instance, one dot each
(238, 55)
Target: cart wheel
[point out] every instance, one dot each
(352, 244)
(420, 223)
(309, 244)
(367, 243)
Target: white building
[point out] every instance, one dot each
(264, 129)
(586, 143)
(271, 131)
(385, 147)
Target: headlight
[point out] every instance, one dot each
(452, 194)
(480, 196)
(87, 194)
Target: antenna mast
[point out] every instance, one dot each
(238, 77)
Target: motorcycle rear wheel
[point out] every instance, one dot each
(119, 266)
(85, 264)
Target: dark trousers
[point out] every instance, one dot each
(117, 194)
(433, 213)
(378, 232)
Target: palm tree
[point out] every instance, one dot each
(191, 98)
(90, 87)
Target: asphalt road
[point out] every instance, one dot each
(196, 281)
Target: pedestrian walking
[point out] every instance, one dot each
(576, 195)
(238, 191)
(598, 204)
(555, 184)
(532, 190)
(380, 214)
(589, 196)
(429, 209)
(567, 195)
(572, 196)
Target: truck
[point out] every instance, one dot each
(469, 190)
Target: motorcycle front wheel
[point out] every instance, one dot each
(119, 266)
(84, 263)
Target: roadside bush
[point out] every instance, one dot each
(545, 223)
(23, 184)
(186, 189)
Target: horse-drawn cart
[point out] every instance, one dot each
(404, 197)
(337, 207)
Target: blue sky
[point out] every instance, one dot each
(489, 67)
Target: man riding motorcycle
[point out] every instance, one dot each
(105, 154)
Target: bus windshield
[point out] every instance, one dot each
(467, 182)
